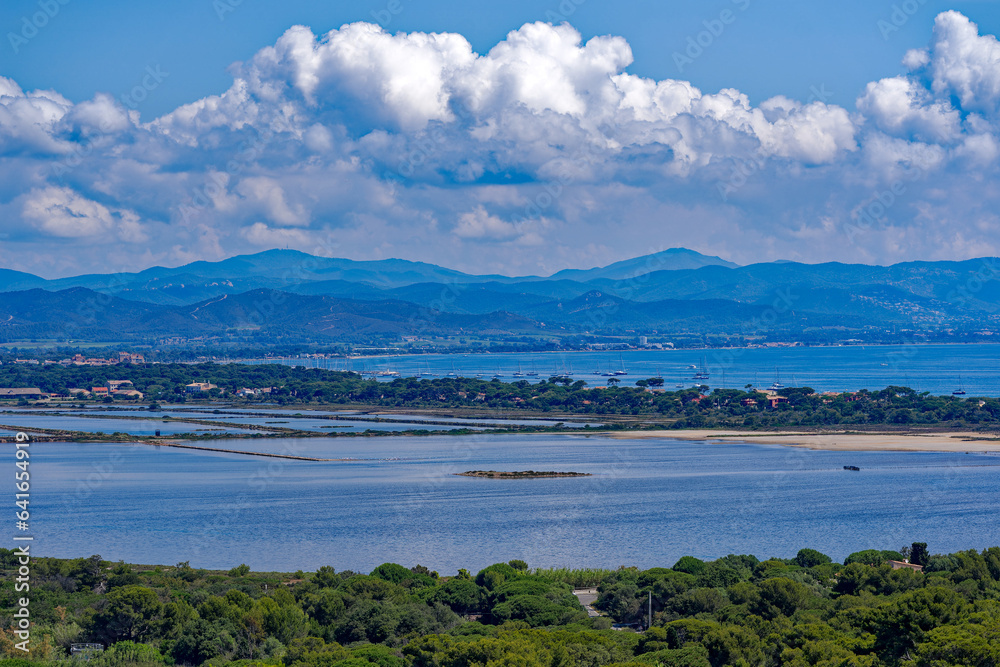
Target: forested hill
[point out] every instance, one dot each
(686, 408)
(735, 611)
(681, 295)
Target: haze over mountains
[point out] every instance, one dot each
(677, 291)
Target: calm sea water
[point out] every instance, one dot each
(648, 503)
(148, 426)
(939, 369)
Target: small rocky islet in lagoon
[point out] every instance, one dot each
(523, 474)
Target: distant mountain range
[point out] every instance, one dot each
(291, 270)
(289, 294)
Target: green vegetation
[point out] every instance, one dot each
(519, 474)
(898, 407)
(738, 610)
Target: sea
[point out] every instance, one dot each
(938, 369)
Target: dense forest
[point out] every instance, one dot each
(687, 408)
(737, 610)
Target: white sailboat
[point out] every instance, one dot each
(702, 373)
(776, 385)
(621, 370)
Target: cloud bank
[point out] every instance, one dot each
(543, 153)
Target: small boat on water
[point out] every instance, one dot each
(621, 370)
(961, 388)
(852, 468)
(776, 385)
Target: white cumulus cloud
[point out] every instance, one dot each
(415, 145)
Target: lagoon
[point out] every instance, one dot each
(648, 503)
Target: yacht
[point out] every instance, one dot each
(621, 371)
(701, 373)
(776, 385)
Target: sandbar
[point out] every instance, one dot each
(835, 441)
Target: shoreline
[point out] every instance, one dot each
(676, 349)
(844, 441)
(669, 349)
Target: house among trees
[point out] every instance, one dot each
(123, 388)
(115, 385)
(905, 565)
(28, 393)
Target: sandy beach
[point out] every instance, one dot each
(847, 442)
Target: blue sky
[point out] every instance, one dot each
(523, 154)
